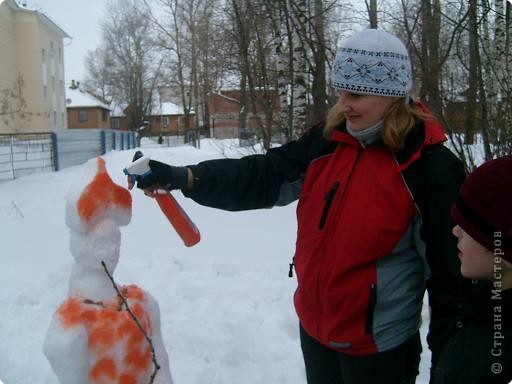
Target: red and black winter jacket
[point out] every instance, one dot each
(369, 222)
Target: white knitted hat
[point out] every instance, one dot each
(373, 62)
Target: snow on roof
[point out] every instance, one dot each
(79, 98)
(165, 109)
(168, 108)
(226, 97)
(118, 110)
(38, 12)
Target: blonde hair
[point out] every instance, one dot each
(398, 121)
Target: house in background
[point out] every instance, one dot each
(32, 49)
(85, 110)
(118, 118)
(165, 119)
(224, 108)
(169, 119)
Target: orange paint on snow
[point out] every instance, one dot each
(101, 194)
(134, 292)
(127, 378)
(70, 312)
(138, 359)
(118, 351)
(102, 336)
(126, 328)
(105, 367)
(89, 316)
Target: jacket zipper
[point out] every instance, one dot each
(329, 196)
(371, 309)
(341, 199)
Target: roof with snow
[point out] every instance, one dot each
(168, 108)
(39, 13)
(163, 109)
(232, 99)
(118, 110)
(76, 97)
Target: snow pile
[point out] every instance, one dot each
(93, 337)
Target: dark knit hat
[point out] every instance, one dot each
(484, 206)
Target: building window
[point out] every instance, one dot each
(43, 55)
(165, 121)
(104, 115)
(82, 116)
(53, 84)
(115, 123)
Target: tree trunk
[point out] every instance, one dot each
(471, 104)
(372, 13)
(319, 85)
(299, 66)
(431, 26)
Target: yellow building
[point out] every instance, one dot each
(31, 50)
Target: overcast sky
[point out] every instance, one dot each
(80, 19)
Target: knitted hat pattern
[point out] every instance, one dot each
(484, 207)
(373, 62)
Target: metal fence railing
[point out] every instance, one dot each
(22, 154)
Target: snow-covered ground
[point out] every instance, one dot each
(226, 304)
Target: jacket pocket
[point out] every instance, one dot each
(370, 311)
(329, 197)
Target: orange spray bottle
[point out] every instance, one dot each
(180, 221)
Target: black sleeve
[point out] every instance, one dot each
(445, 175)
(256, 181)
(435, 180)
(452, 297)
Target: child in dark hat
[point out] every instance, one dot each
(481, 352)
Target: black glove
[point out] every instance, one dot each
(165, 176)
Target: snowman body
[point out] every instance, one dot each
(93, 338)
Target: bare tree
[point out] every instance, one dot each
(134, 64)
(14, 107)
(189, 35)
(98, 81)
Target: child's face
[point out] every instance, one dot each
(477, 262)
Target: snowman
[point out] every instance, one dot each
(93, 337)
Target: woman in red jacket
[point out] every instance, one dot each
(375, 186)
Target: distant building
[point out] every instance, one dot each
(85, 110)
(31, 47)
(224, 109)
(169, 119)
(166, 118)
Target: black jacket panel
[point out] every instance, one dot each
(481, 351)
(257, 181)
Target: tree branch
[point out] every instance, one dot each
(132, 315)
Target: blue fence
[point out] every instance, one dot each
(22, 154)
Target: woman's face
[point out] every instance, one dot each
(363, 111)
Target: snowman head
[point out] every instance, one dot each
(95, 209)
